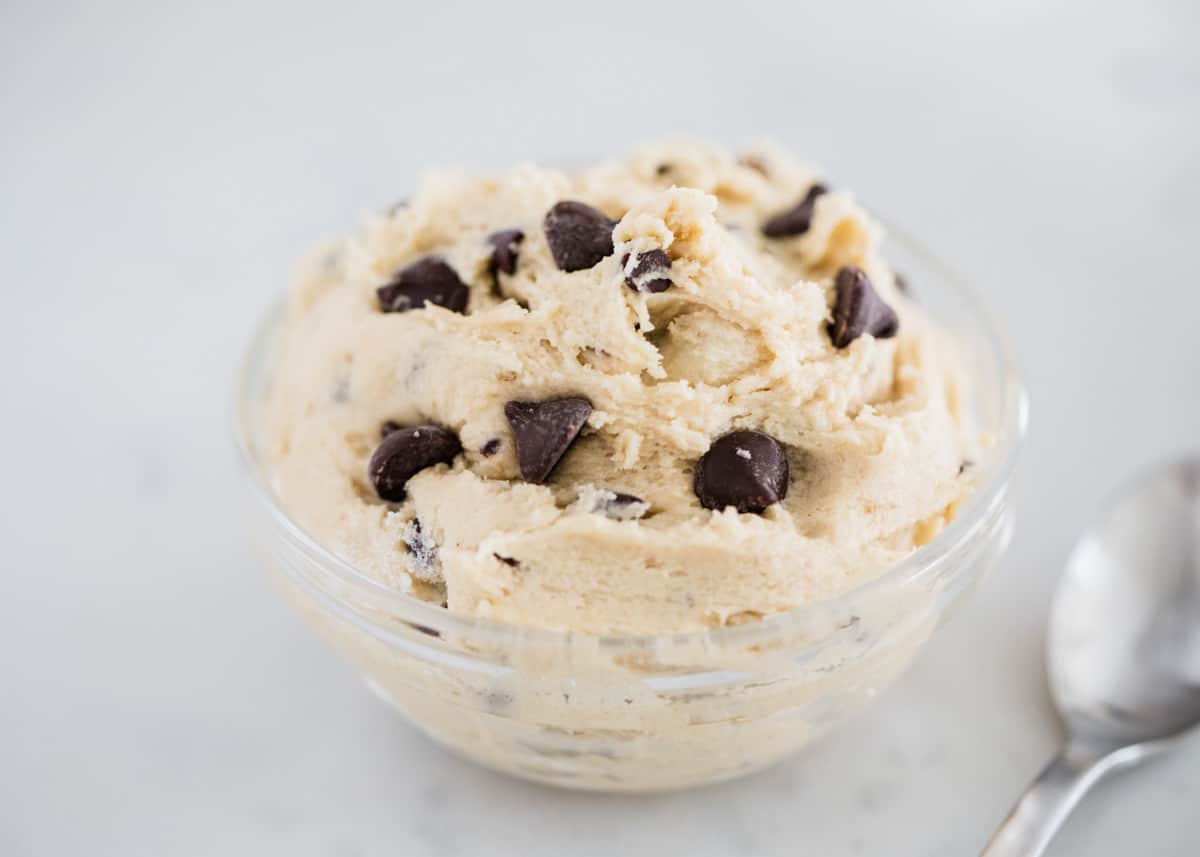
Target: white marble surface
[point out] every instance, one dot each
(161, 165)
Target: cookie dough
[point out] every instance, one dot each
(675, 391)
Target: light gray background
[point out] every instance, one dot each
(162, 164)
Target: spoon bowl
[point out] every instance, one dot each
(1123, 648)
(1124, 640)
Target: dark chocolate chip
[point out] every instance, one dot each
(621, 506)
(505, 245)
(858, 310)
(651, 273)
(425, 629)
(490, 447)
(543, 432)
(388, 427)
(744, 469)
(663, 170)
(426, 281)
(507, 560)
(796, 220)
(579, 235)
(404, 453)
(421, 547)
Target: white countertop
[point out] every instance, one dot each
(162, 167)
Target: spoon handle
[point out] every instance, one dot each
(1050, 798)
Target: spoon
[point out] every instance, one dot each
(1123, 649)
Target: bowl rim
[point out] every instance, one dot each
(375, 603)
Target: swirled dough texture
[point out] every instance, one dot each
(874, 433)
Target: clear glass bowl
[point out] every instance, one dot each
(670, 710)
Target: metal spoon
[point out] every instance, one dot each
(1123, 650)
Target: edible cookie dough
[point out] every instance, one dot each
(675, 391)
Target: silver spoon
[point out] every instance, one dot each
(1123, 650)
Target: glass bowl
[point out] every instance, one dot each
(663, 711)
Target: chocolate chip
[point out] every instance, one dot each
(616, 505)
(621, 506)
(744, 469)
(579, 235)
(426, 281)
(505, 244)
(663, 170)
(858, 310)
(405, 452)
(388, 427)
(543, 432)
(796, 220)
(507, 560)
(650, 273)
(425, 629)
(422, 548)
(490, 447)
